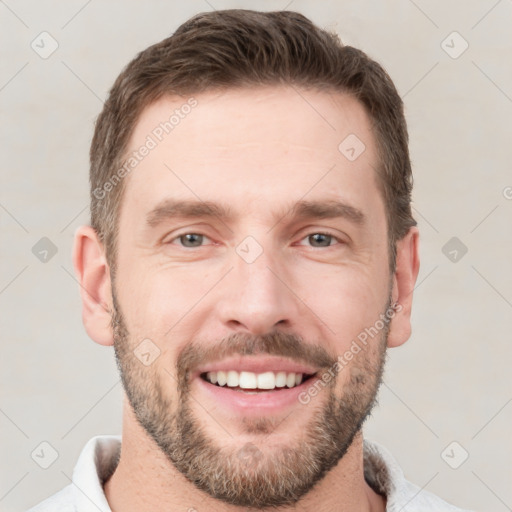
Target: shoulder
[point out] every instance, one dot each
(385, 476)
(96, 463)
(62, 501)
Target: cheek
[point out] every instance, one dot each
(347, 300)
(158, 303)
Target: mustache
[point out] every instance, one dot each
(244, 344)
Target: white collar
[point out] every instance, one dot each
(100, 457)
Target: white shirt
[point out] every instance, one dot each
(101, 454)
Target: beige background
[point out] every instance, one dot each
(450, 382)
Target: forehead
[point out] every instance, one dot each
(252, 146)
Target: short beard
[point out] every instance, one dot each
(245, 475)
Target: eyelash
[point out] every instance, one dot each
(304, 237)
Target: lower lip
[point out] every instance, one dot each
(262, 402)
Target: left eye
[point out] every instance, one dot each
(190, 239)
(321, 239)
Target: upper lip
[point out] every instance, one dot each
(256, 364)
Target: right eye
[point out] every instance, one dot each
(189, 240)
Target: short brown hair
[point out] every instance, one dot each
(237, 48)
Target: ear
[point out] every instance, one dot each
(404, 279)
(93, 275)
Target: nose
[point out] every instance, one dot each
(257, 296)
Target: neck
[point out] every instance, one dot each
(146, 480)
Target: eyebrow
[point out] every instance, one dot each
(170, 208)
(328, 209)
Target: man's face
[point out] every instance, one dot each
(280, 264)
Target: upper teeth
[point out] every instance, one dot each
(249, 380)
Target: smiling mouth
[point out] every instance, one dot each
(251, 383)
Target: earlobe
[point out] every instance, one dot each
(93, 274)
(404, 280)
